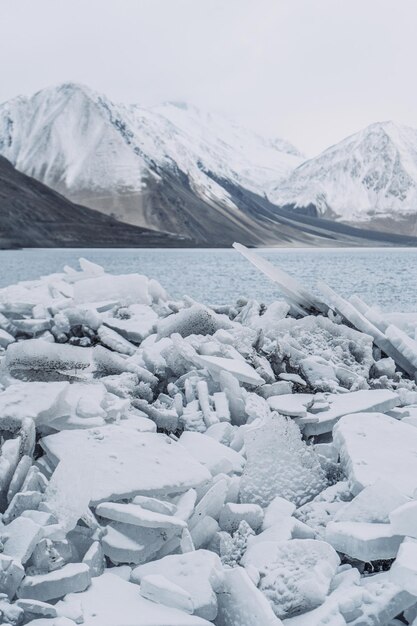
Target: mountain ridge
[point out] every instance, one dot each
(366, 179)
(120, 158)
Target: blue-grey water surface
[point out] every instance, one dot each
(383, 276)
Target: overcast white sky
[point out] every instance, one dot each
(312, 71)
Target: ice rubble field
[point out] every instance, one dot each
(166, 463)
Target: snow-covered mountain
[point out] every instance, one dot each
(370, 178)
(170, 167)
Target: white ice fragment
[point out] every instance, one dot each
(138, 324)
(403, 343)
(38, 400)
(380, 400)
(194, 320)
(94, 558)
(279, 463)
(199, 573)
(222, 432)
(203, 532)
(232, 514)
(211, 503)
(295, 575)
(127, 288)
(20, 503)
(242, 604)
(383, 600)
(298, 297)
(277, 510)
(138, 516)
(280, 531)
(36, 354)
(125, 463)
(373, 504)
(70, 491)
(404, 569)
(185, 504)
(153, 504)
(90, 268)
(384, 367)
(19, 477)
(113, 340)
(216, 457)
(374, 446)
(127, 543)
(36, 609)
(363, 541)
(5, 338)
(159, 589)
(11, 574)
(404, 519)
(280, 387)
(72, 577)
(20, 538)
(240, 369)
(111, 601)
(292, 404)
(209, 415)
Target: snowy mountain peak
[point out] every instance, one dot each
(368, 175)
(106, 155)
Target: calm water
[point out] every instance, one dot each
(385, 276)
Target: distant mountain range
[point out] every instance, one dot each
(368, 179)
(175, 169)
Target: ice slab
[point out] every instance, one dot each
(5, 338)
(373, 446)
(127, 288)
(70, 578)
(37, 354)
(364, 541)
(127, 543)
(279, 463)
(125, 463)
(69, 491)
(111, 601)
(295, 575)
(194, 320)
(233, 514)
(365, 400)
(240, 369)
(302, 302)
(113, 340)
(200, 573)
(373, 504)
(38, 400)
(291, 404)
(20, 538)
(138, 516)
(215, 456)
(404, 569)
(138, 324)
(404, 519)
(159, 589)
(242, 604)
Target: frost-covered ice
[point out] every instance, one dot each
(169, 463)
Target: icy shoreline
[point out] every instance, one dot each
(167, 463)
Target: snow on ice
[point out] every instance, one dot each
(169, 463)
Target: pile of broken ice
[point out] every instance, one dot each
(169, 463)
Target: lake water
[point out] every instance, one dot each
(383, 276)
